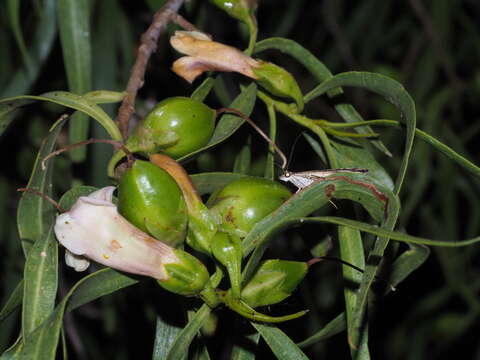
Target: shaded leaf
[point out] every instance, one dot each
(392, 91)
(321, 73)
(44, 36)
(165, 334)
(34, 214)
(13, 302)
(281, 345)
(10, 105)
(207, 183)
(334, 327)
(185, 337)
(355, 187)
(40, 282)
(74, 26)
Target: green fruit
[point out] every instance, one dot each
(274, 281)
(187, 123)
(244, 202)
(151, 200)
(176, 126)
(186, 276)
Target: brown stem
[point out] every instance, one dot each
(148, 45)
(46, 197)
(260, 131)
(115, 143)
(183, 23)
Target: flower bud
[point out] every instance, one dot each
(273, 282)
(187, 276)
(227, 249)
(238, 9)
(93, 228)
(244, 202)
(151, 200)
(279, 82)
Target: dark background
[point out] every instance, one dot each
(431, 47)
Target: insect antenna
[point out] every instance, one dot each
(290, 156)
(260, 131)
(321, 258)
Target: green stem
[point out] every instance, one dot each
(210, 297)
(253, 32)
(246, 311)
(288, 111)
(437, 144)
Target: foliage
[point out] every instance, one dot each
(346, 91)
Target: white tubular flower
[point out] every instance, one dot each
(78, 262)
(93, 228)
(207, 55)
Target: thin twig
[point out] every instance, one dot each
(260, 131)
(42, 195)
(115, 143)
(182, 22)
(148, 45)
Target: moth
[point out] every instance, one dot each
(306, 178)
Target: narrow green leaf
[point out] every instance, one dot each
(408, 262)
(376, 199)
(105, 96)
(281, 345)
(13, 302)
(14, 352)
(351, 251)
(240, 352)
(316, 147)
(70, 197)
(392, 91)
(43, 39)
(350, 154)
(74, 25)
(393, 235)
(207, 183)
(165, 334)
(96, 285)
(321, 73)
(9, 105)
(228, 124)
(405, 264)
(334, 327)
(438, 145)
(34, 214)
(269, 172)
(185, 337)
(40, 282)
(42, 343)
(202, 91)
(243, 159)
(13, 7)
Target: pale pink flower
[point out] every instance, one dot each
(93, 228)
